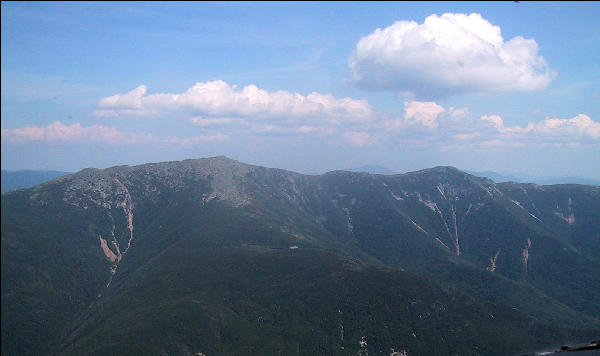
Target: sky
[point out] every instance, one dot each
(511, 87)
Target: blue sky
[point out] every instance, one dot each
(311, 87)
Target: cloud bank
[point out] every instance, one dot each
(219, 110)
(580, 128)
(219, 102)
(445, 55)
(421, 124)
(430, 124)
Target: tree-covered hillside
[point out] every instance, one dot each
(218, 257)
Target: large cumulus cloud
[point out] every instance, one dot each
(445, 55)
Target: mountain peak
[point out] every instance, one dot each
(448, 172)
(443, 169)
(442, 172)
(222, 159)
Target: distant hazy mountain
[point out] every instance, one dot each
(501, 178)
(12, 180)
(565, 180)
(373, 169)
(217, 257)
(496, 177)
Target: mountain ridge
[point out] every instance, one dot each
(369, 169)
(500, 245)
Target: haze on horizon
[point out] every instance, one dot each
(309, 87)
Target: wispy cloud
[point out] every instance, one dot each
(445, 55)
(76, 133)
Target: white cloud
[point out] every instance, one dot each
(131, 100)
(58, 131)
(576, 128)
(571, 132)
(218, 100)
(417, 113)
(495, 120)
(76, 133)
(447, 54)
(424, 113)
(433, 125)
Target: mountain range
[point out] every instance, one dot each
(495, 176)
(213, 256)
